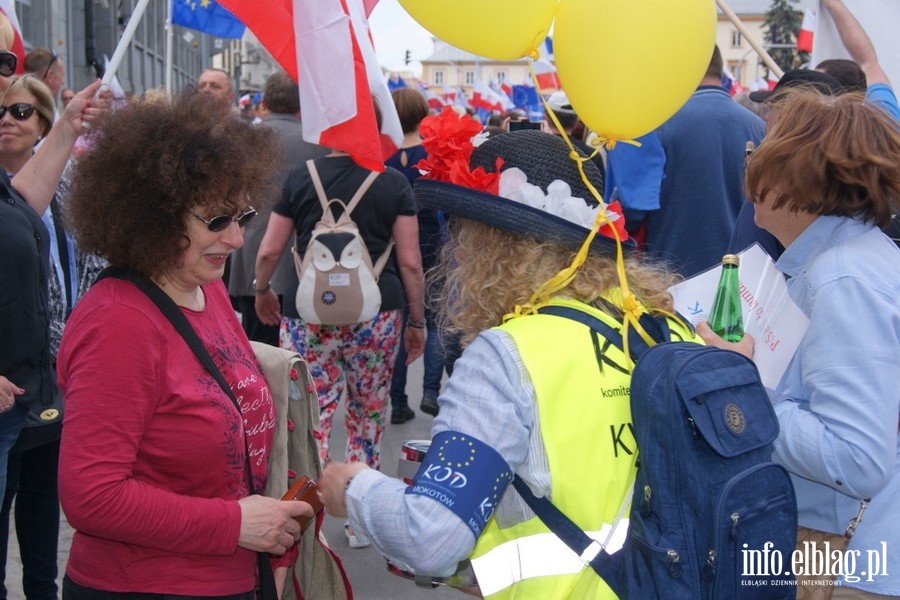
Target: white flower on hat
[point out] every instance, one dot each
(558, 201)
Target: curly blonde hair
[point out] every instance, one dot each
(483, 273)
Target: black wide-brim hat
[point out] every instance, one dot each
(543, 158)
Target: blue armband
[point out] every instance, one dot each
(465, 475)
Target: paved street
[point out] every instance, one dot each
(365, 567)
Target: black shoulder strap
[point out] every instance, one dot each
(658, 328)
(168, 308)
(564, 528)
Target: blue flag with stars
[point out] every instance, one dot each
(207, 16)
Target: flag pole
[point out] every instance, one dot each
(170, 47)
(127, 36)
(765, 56)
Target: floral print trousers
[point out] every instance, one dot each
(355, 362)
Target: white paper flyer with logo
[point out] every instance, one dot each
(770, 315)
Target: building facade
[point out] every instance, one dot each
(451, 67)
(83, 32)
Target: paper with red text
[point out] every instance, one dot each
(770, 315)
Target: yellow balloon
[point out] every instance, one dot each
(498, 29)
(627, 66)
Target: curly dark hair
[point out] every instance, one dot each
(152, 163)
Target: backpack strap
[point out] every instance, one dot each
(323, 197)
(591, 552)
(317, 183)
(379, 265)
(658, 328)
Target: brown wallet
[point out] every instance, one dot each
(305, 489)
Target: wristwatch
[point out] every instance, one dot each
(258, 291)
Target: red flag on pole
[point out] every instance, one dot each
(807, 30)
(325, 46)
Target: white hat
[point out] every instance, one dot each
(559, 102)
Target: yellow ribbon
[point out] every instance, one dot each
(631, 307)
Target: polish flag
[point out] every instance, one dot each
(434, 101)
(807, 29)
(485, 98)
(546, 78)
(8, 8)
(325, 45)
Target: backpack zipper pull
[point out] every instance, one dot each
(645, 501)
(709, 569)
(694, 431)
(735, 517)
(675, 563)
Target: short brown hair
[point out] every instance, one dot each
(411, 108)
(150, 164)
(38, 60)
(828, 155)
(281, 94)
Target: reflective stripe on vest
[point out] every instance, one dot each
(539, 555)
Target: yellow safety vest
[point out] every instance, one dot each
(585, 423)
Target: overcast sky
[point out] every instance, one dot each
(394, 32)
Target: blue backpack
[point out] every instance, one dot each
(712, 517)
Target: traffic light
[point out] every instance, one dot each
(407, 58)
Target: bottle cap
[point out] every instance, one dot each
(731, 259)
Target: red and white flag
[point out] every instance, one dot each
(325, 46)
(18, 47)
(434, 101)
(546, 78)
(485, 98)
(807, 29)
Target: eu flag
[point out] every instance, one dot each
(208, 17)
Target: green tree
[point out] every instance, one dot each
(781, 27)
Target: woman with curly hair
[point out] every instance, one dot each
(533, 393)
(157, 461)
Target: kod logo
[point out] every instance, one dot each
(446, 476)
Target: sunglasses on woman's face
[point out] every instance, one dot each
(20, 111)
(221, 222)
(8, 63)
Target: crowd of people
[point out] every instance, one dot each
(134, 275)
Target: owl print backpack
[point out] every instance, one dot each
(338, 282)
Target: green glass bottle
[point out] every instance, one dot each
(725, 318)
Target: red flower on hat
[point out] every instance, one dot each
(448, 139)
(615, 208)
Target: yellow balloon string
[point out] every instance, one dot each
(631, 307)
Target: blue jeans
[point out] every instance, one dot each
(31, 480)
(434, 365)
(11, 422)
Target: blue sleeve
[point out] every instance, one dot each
(637, 172)
(883, 96)
(840, 428)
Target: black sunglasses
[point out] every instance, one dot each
(49, 66)
(221, 222)
(20, 111)
(8, 63)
